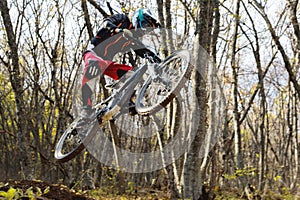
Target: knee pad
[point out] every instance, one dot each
(93, 69)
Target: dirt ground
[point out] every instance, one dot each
(49, 191)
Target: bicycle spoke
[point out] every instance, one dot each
(159, 90)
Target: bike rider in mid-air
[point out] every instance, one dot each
(101, 50)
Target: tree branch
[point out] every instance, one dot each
(87, 18)
(275, 38)
(94, 3)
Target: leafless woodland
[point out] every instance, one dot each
(246, 88)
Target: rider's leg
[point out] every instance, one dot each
(123, 76)
(116, 70)
(94, 67)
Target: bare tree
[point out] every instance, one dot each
(276, 40)
(17, 81)
(194, 166)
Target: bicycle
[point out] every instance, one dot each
(163, 84)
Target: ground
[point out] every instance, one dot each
(39, 190)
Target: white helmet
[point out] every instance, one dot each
(143, 18)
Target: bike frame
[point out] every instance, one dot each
(124, 93)
(120, 98)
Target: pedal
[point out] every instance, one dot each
(100, 114)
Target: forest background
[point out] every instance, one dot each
(255, 47)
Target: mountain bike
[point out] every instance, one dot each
(163, 83)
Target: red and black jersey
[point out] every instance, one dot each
(108, 27)
(107, 43)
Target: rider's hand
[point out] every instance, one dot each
(126, 32)
(118, 30)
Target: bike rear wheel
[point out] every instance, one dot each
(73, 140)
(157, 92)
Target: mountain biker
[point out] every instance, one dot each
(106, 43)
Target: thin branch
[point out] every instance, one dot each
(188, 10)
(87, 18)
(94, 3)
(275, 38)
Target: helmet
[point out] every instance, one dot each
(143, 18)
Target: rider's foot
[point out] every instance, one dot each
(85, 115)
(83, 123)
(86, 111)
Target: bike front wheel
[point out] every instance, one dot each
(171, 75)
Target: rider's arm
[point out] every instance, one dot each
(109, 25)
(115, 22)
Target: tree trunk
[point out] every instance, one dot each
(235, 97)
(196, 164)
(23, 158)
(161, 19)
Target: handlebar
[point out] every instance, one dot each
(149, 55)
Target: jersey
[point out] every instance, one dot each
(107, 43)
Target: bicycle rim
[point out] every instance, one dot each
(71, 143)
